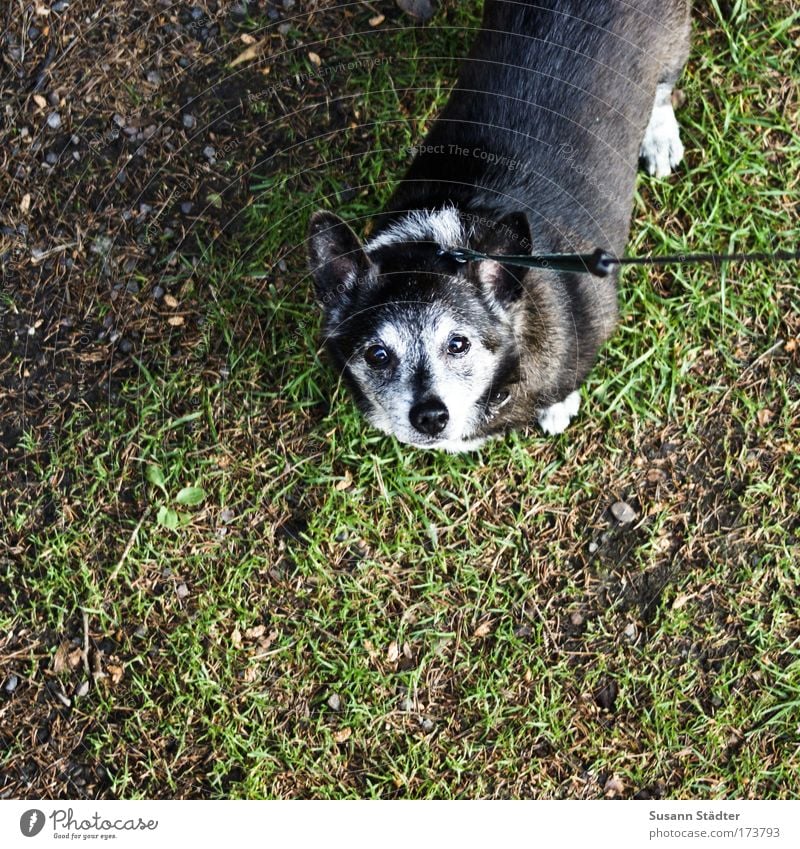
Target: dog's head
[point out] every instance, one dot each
(427, 344)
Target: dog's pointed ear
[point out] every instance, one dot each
(510, 235)
(335, 256)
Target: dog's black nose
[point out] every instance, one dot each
(429, 417)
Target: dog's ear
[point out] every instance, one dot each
(335, 257)
(510, 235)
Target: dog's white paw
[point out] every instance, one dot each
(662, 148)
(554, 419)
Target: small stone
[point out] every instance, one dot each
(614, 788)
(61, 6)
(186, 207)
(158, 292)
(12, 682)
(576, 619)
(122, 177)
(427, 726)
(209, 152)
(118, 120)
(623, 512)
(51, 158)
(132, 287)
(141, 631)
(33, 33)
(593, 546)
(189, 121)
(631, 631)
(226, 516)
(422, 10)
(334, 702)
(145, 209)
(197, 13)
(182, 591)
(82, 690)
(153, 77)
(53, 99)
(126, 346)
(606, 695)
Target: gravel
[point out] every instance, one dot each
(623, 512)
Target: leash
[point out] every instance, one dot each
(600, 263)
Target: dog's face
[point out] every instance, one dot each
(428, 345)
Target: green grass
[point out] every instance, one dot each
(465, 611)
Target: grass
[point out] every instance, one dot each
(341, 616)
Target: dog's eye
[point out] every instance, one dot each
(458, 345)
(377, 356)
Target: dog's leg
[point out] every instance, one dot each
(555, 418)
(662, 149)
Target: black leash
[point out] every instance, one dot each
(600, 262)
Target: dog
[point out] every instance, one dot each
(535, 152)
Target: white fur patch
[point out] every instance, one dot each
(442, 226)
(554, 419)
(662, 149)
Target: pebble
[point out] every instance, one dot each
(593, 546)
(158, 292)
(132, 288)
(153, 77)
(182, 591)
(11, 684)
(141, 631)
(51, 158)
(227, 516)
(145, 209)
(118, 120)
(334, 702)
(189, 121)
(427, 726)
(422, 10)
(283, 29)
(623, 512)
(186, 207)
(83, 689)
(61, 6)
(606, 696)
(33, 33)
(209, 152)
(126, 346)
(54, 120)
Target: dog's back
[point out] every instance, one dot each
(548, 114)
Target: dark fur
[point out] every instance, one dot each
(565, 89)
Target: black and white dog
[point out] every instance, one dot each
(535, 152)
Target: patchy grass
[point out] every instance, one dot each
(341, 616)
